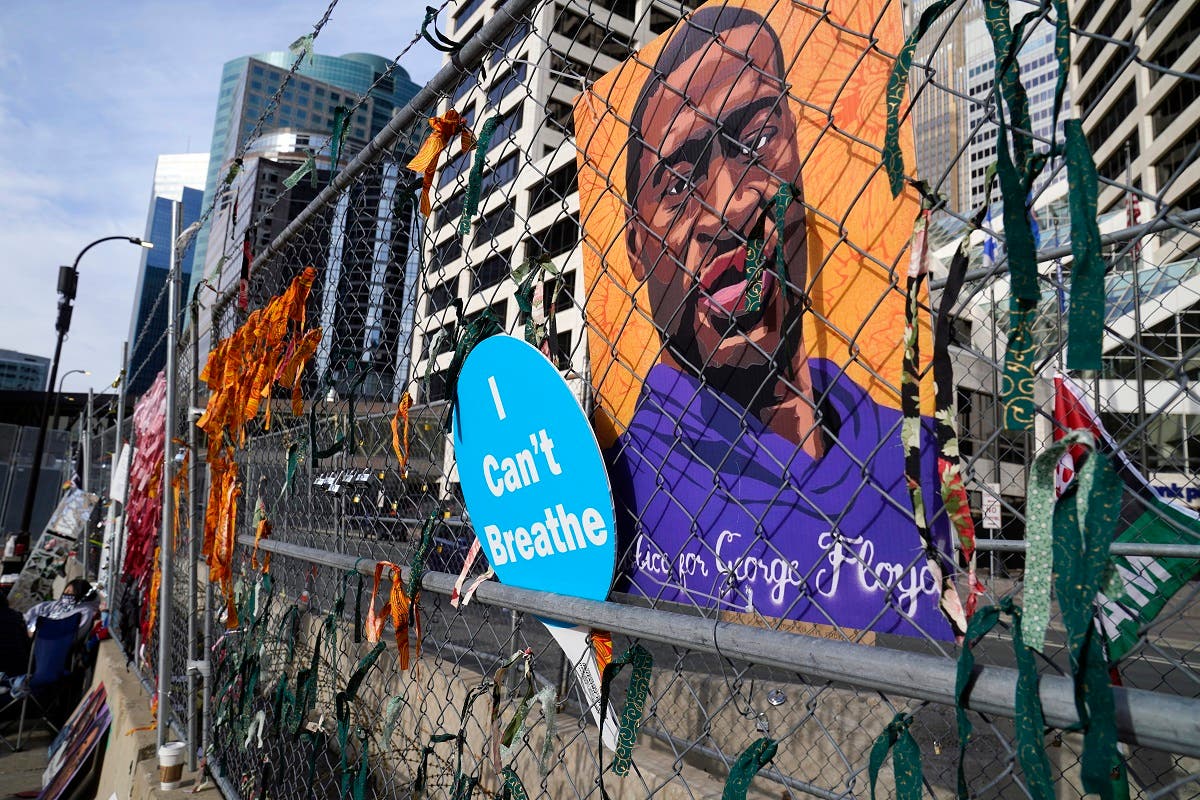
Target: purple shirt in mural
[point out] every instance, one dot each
(715, 510)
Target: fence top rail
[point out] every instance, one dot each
(1163, 722)
(1151, 549)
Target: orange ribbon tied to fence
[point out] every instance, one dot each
(262, 530)
(270, 349)
(151, 620)
(397, 609)
(602, 647)
(445, 128)
(400, 444)
(179, 489)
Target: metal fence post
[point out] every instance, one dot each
(193, 442)
(86, 444)
(206, 691)
(193, 549)
(114, 554)
(167, 585)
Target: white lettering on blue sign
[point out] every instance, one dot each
(519, 470)
(532, 475)
(496, 397)
(560, 532)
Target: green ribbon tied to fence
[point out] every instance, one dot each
(1016, 171)
(1028, 719)
(1019, 359)
(302, 48)
(1069, 539)
(906, 758)
(475, 332)
(391, 716)
(337, 139)
(1085, 324)
(420, 554)
(893, 158)
(318, 739)
(309, 167)
(641, 664)
(748, 764)
(437, 39)
(756, 251)
(422, 776)
(289, 627)
(527, 274)
(1039, 519)
(513, 788)
(358, 595)
(464, 784)
(348, 437)
(292, 464)
(475, 179)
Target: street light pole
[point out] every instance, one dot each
(68, 280)
(58, 394)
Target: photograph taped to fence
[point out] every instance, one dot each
(745, 260)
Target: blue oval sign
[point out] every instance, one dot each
(532, 474)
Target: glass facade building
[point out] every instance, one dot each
(176, 179)
(309, 103)
(1039, 74)
(22, 371)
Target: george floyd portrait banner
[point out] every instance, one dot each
(745, 264)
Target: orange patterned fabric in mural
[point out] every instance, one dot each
(856, 233)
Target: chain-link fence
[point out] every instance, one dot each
(749, 357)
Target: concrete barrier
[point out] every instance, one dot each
(130, 768)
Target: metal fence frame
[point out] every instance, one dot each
(1157, 720)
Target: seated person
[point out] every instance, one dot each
(76, 599)
(14, 643)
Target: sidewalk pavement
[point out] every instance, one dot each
(21, 772)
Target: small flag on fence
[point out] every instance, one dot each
(1140, 586)
(989, 243)
(1034, 227)
(1133, 216)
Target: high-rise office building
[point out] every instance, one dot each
(1039, 74)
(529, 194)
(257, 204)
(23, 372)
(308, 106)
(1142, 118)
(360, 300)
(938, 110)
(177, 179)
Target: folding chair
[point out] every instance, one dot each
(49, 666)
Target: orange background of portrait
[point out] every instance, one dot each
(858, 301)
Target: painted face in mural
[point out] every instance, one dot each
(716, 141)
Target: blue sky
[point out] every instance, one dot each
(90, 94)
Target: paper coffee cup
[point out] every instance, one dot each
(170, 765)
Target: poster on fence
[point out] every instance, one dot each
(47, 560)
(745, 262)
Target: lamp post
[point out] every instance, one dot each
(58, 394)
(68, 280)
